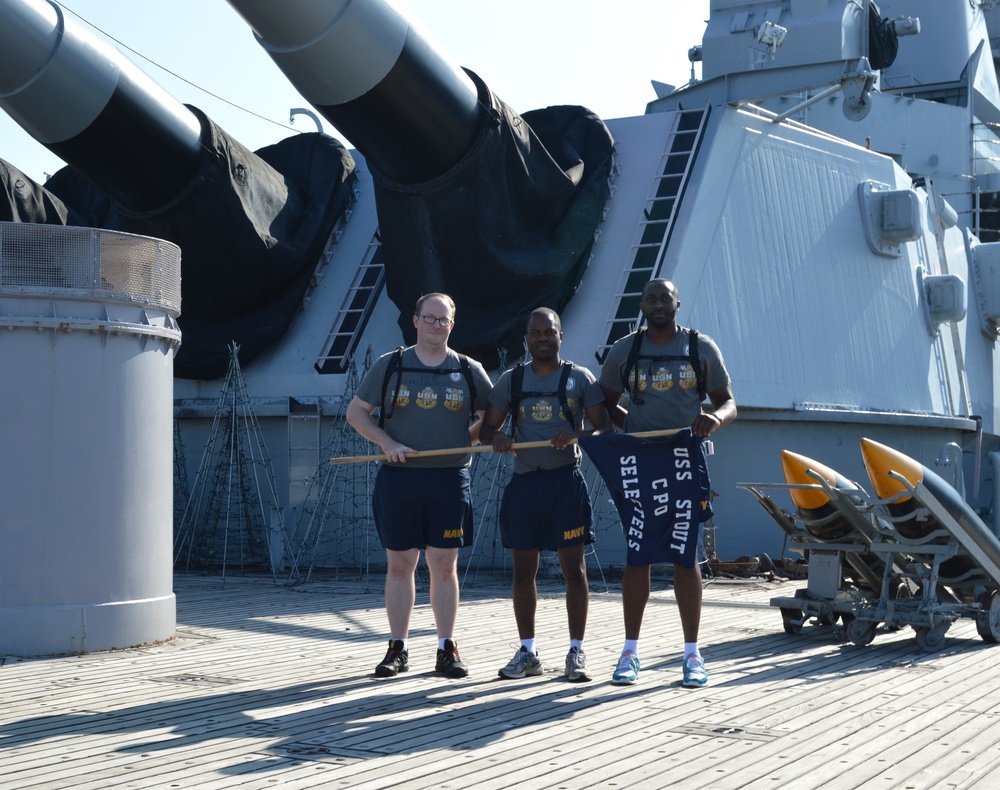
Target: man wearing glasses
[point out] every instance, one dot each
(667, 370)
(429, 398)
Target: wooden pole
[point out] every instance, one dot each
(482, 448)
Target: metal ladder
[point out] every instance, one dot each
(659, 214)
(352, 318)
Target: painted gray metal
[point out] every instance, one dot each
(85, 441)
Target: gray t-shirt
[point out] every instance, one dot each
(668, 387)
(432, 408)
(540, 416)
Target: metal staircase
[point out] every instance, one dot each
(656, 225)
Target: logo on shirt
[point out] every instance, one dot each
(427, 398)
(541, 411)
(641, 376)
(456, 376)
(688, 379)
(453, 398)
(570, 383)
(403, 395)
(662, 380)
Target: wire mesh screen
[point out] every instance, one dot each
(86, 263)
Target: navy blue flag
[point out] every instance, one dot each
(661, 489)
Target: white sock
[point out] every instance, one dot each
(444, 639)
(691, 649)
(529, 645)
(576, 644)
(631, 646)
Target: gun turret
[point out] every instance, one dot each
(251, 226)
(496, 208)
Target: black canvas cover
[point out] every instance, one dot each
(883, 43)
(251, 227)
(506, 230)
(24, 200)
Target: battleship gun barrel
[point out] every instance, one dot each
(251, 226)
(93, 108)
(410, 111)
(459, 176)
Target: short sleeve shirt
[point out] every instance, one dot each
(667, 385)
(432, 404)
(540, 416)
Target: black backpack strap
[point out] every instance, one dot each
(463, 361)
(395, 366)
(699, 374)
(633, 361)
(517, 394)
(516, 387)
(630, 364)
(567, 413)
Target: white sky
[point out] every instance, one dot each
(532, 53)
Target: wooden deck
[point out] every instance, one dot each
(267, 686)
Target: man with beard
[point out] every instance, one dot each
(666, 370)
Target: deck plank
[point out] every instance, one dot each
(268, 684)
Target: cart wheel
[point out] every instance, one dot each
(792, 620)
(861, 632)
(988, 617)
(932, 639)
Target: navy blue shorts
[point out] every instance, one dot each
(417, 508)
(547, 509)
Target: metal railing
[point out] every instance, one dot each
(87, 263)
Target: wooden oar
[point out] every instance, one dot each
(482, 448)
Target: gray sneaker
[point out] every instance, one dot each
(522, 664)
(576, 666)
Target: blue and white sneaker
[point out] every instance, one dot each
(627, 671)
(695, 674)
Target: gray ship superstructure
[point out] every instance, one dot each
(823, 197)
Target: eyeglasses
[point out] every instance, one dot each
(431, 320)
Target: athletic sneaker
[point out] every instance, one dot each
(627, 672)
(576, 666)
(695, 674)
(396, 660)
(448, 661)
(522, 664)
